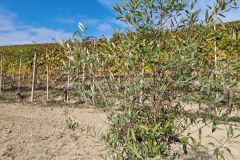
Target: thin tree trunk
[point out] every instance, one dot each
(19, 73)
(33, 75)
(84, 73)
(215, 59)
(161, 16)
(78, 72)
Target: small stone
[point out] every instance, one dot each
(9, 131)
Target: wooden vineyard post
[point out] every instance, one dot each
(47, 67)
(215, 49)
(141, 82)
(215, 59)
(66, 88)
(33, 75)
(1, 74)
(19, 73)
(68, 82)
(84, 74)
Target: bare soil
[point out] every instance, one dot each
(29, 131)
(39, 132)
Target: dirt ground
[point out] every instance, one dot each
(39, 132)
(30, 132)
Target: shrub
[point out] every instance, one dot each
(146, 78)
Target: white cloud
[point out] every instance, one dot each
(6, 23)
(13, 32)
(33, 35)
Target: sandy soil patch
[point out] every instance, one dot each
(30, 132)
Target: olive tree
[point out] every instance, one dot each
(146, 78)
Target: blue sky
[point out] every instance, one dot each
(24, 21)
